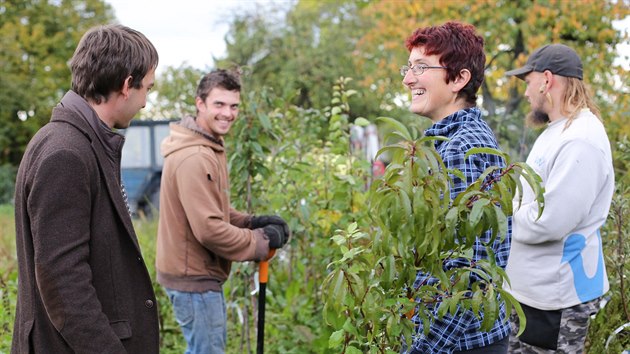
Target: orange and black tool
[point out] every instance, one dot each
(263, 277)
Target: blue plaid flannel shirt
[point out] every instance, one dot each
(466, 130)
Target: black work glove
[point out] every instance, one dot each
(276, 235)
(257, 222)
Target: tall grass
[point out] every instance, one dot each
(8, 276)
(171, 339)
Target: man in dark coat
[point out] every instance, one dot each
(83, 284)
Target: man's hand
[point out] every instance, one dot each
(257, 222)
(276, 236)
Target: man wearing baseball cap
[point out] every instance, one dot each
(556, 266)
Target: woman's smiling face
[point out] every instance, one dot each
(431, 95)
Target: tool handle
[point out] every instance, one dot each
(263, 276)
(263, 271)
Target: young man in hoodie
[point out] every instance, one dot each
(199, 233)
(444, 73)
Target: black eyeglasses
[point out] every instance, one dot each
(418, 69)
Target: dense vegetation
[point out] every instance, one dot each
(290, 150)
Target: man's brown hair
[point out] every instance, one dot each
(106, 56)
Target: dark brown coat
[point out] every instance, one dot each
(83, 284)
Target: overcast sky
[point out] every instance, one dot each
(189, 31)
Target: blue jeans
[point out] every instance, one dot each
(202, 319)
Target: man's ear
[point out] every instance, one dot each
(549, 79)
(461, 80)
(126, 87)
(199, 104)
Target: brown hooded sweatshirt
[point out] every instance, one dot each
(199, 233)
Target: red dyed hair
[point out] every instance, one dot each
(459, 47)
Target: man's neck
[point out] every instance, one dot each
(108, 109)
(557, 112)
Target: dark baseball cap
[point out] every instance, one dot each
(557, 58)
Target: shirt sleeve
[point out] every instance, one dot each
(239, 219)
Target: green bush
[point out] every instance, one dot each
(607, 333)
(7, 183)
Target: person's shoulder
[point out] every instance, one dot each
(194, 155)
(60, 135)
(476, 133)
(585, 126)
(185, 142)
(590, 122)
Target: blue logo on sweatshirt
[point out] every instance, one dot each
(587, 288)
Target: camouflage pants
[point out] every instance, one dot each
(573, 329)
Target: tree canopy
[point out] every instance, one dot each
(317, 42)
(511, 30)
(300, 52)
(37, 39)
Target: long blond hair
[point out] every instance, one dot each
(576, 97)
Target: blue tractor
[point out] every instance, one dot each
(142, 165)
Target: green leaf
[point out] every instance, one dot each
(405, 203)
(502, 222)
(392, 148)
(535, 182)
(505, 195)
(485, 150)
(489, 171)
(476, 302)
(339, 239)
(464, 196)
(351, 254)
(336, 338)
(353, 350)
(429, 139)
(264, 121)
(457, 173)
(397, 126)
(490, 313)
(339, 291)
(443, 308)
(511, 302)
(350, 328)
(362, 122)
(331, 316)
(401, 135)
(391, 323)
(477, 211)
